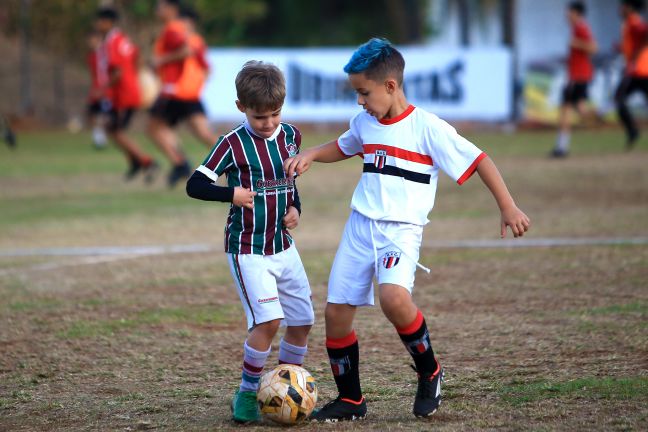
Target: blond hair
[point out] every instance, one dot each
(260, 86)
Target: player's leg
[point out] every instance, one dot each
(349, 286)
(642, 86)
(624, 90)
(295, 299)
(255, 285)
(95, 119)
(561, 148)
(138, 159)
(397, 305)
(164, 116)
(396, 274)
(200, 126)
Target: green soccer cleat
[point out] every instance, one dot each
(244, 407)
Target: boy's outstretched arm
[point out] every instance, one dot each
(511, 215)
(329, 152)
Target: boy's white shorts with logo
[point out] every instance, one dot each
(273, 287)
(387, 250)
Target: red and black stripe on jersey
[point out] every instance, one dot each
(256, 163)
(380, 163)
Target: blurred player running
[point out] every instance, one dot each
(123, 89)
(635, 77)
(580, 70)
(98, 102)
(182, 73)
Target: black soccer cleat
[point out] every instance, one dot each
(631, 142)
(134, 169)
(340, 409)
(558, 154)
(428, 393)
(178, 173)
(10, 138)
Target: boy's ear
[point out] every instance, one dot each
(240, 106)
(391, 85)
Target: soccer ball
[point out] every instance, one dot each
(287, 394)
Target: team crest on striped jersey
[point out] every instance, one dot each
(291, 148)
(340, 366)
(391, 259)
(380, 158)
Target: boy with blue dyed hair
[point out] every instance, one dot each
(403, 149)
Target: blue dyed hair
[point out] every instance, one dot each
(378, 60)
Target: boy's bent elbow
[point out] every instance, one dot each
(191, 187)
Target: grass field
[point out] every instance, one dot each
(531, 338)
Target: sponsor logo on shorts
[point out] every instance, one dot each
(268, 300)
(391, 259)
(380, 158)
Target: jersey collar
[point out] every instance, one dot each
(271, 138)
(398, 118)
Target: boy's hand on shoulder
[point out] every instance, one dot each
(291, 218)
(243, 197)
(516, 219)
(298, 164)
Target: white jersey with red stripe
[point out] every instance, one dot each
(402, 158)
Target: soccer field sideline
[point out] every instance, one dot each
(106, 254)
(205, 247)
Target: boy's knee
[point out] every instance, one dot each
(269, 327)
(395, 301)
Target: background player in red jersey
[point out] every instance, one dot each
(635, 78)
(121, 66)
(580, 70)
(179, 99)
(98, 103)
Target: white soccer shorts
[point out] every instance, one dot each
(387, 250)
(273, 287)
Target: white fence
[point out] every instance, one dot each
(474, 84)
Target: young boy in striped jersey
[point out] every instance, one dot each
(403, 148)
(264, 262)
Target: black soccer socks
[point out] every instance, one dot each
(416, 339)
(345, 358)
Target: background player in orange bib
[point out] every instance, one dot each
(580, 70)
(182, 77)
(121, 57)
(635, 78)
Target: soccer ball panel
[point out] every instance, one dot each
(287, 394)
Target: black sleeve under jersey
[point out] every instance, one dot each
(201, 187)
(296, 203)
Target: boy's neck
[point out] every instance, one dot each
(398, 107)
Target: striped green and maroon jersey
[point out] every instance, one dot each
(256, 163)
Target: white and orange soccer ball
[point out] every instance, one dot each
(287, 394)
(149, 87)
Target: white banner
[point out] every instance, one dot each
(473, 84)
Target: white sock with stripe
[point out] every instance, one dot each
(253, 363)
(291, 354)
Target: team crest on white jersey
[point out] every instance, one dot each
(380, 158)
(391, 259)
